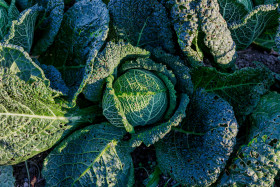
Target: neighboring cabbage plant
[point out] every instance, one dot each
(201, 29)
(258, 162)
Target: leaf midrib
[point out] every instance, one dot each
(34, 116)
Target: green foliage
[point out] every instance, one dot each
(246, 22)
(32, 117)
(19, 62)
(35, 27)
(142, 96)
(82, 34)
(192, 18)
(142, 23)
(197, 160)
(106, 63)
(93, 156)
(242, 89)
(22, 30)
(6, 176)
(258, 162)
(49, 22)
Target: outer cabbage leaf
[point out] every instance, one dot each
(106, 63)
(32, 118)
(181, 71)
(22, 30)
(186, 25)
(83, 32)
(56, 81)
(13, 12)
(217, 35)
(92, 156)
(246, 30)
(3, 21)
(233, 10)
(48, 25)
(154, 134)
(6, 176)
(242, 89)
(190, 18)
(258, 162)
(196, 154)
(142, 23)
(19, 62)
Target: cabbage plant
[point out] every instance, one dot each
(94, 81)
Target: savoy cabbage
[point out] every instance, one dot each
(93, 80)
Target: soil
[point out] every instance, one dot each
(144, 158)
(251, 57)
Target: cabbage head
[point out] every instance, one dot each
(142, 96)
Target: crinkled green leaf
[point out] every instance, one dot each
(258, 162)
(142, 23)
(217, 35)
(13, 12)
(3, 22)
(267, 39)
(233, 10)
(196, 154)
(154, 134)
(242, 89)
(3, 4)
(247, 3)
(6, 176)
(22, 30)
(49, 22)
(56, 81)
(19, 62)
(30, 120)
(192, 17)
(246, 30)
(186, 25)
(105, 64)
(82, 34)
(181, 71)
(92, 156)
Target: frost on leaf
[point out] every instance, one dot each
(196, 152)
